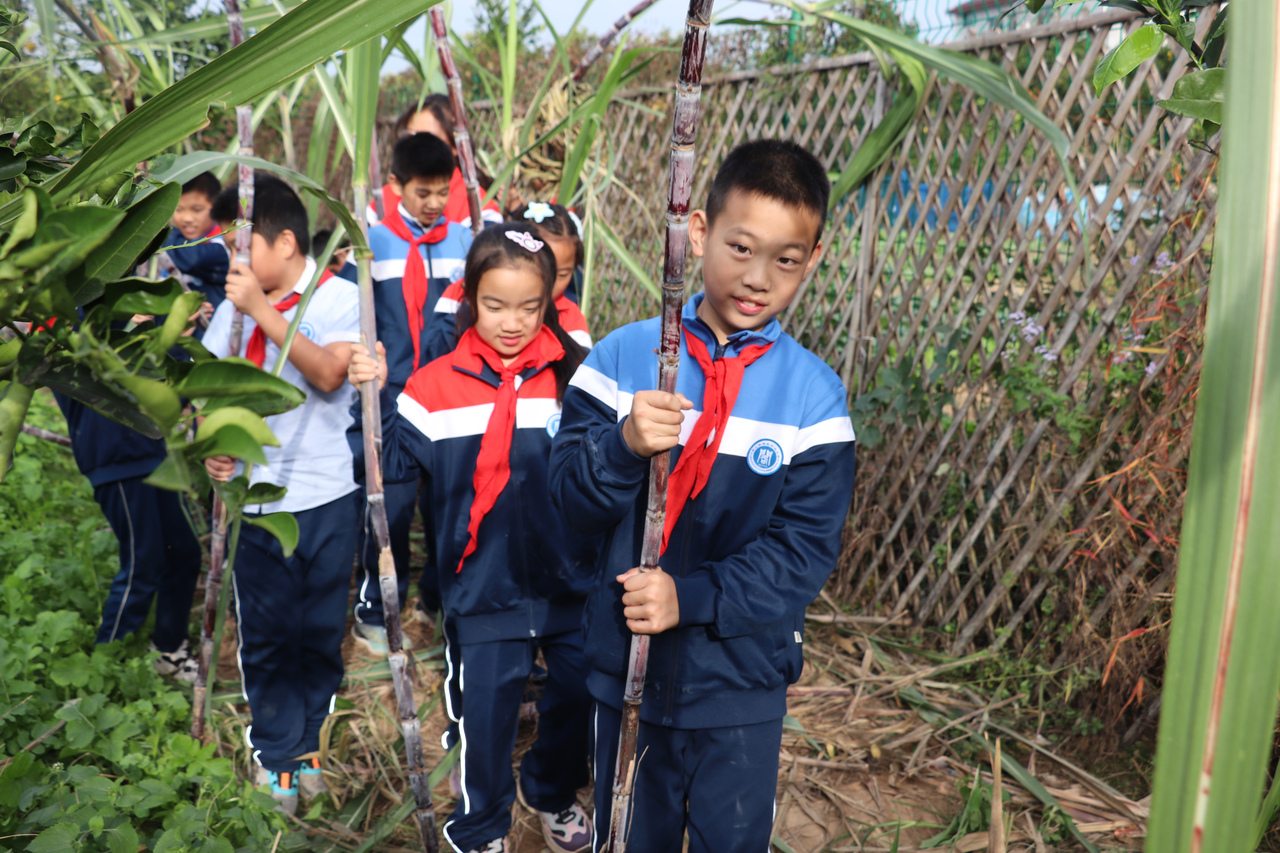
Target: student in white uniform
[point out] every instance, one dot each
(292, 610)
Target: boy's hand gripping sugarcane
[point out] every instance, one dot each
(461, 136)
(214, 603)
(684, 129)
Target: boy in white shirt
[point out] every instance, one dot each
(292, 610)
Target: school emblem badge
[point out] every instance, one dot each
(553, 425)
(765, 456)
(308, 331)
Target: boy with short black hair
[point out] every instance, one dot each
(758, 495)
(292, 609)
(202, 267)
(416, 254)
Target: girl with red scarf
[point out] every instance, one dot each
(477, 425)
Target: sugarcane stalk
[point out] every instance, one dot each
(461, 136)
(363, 67)
(597, 49)
(375, 175)
(684, 128)
(215, 603)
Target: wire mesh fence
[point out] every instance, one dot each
(1020, 357)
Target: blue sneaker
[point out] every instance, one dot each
(284, 788)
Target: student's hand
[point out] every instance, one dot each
(245, 291)
(649, 602)
(220, 468)
(362, 367)
(654, 424)
(205, 311)
(138, 319)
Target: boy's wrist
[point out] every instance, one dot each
(619, 455)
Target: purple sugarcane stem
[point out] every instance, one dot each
(461, 136)
(218, 541)
(397, 658)
(595, 51)
(684, 129)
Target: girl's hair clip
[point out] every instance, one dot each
(524, 240)
(577, 223)
(538, 211)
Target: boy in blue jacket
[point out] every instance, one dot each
(417, 253)
(761, 479)
(202, 267)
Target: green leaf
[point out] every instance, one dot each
(281, 525)
(73, 670)
(122, 839)
(1198, 95)
(311, 33)
(1142, 44)
(12, 165)
(7, 45)
(83, 135)
(80, 383)
(1218, 714)
(37, 140)
(136, 237)
(884, 138)
(628, 260)
(232, 441)
(177, 322)
(264, 493)
(58, 838)
(131, 296)
(24, 227)
(237, 382)
(249, 422)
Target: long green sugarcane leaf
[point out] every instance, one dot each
(883, 139)
(188, 166)
(363, 65)
(1219, 709)
(595, 114)
(310, 33)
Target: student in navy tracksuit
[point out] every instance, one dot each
(477, 425)
(761, 478)
(202, 267)
(416, 253)
(291, 609)
(559, 229)
(159, 554)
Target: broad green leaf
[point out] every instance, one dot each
(251, 422)
(1218, 715)
(11, 166)
(281, 525)
(8, 45)
(237, 382)
(37, 140)
(171, 474)
(80, 383)
(83, 135)
(234, 441)
(15, 399)
(122, 839)
(80, 230)
(311, 33)
(58, 838)
(1140, 45)
(880, 143)
(264, 493)
(137, 236)
(72, 670)
(178, 321)
(1199, 95)
(131, 296)
(157, 400)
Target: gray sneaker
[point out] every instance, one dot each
(284, 788)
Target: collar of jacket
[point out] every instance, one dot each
(737, 341)
(468, 358)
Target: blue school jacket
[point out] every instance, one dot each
(202, 267)
(444, 262)
(747, 555)
(530, 573)
(106, 451)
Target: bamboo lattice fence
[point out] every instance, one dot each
(1022, 389)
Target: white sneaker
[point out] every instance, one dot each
(497, 845)
(178, 664)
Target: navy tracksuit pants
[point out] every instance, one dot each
(159, 559)
(292, 614)
(718, 784)
(492, 677)
(401, 501)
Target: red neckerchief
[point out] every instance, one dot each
(493, 464)
(256, 349)
(723, 380)
(458, 207)
(216, 232)
(414, 282)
